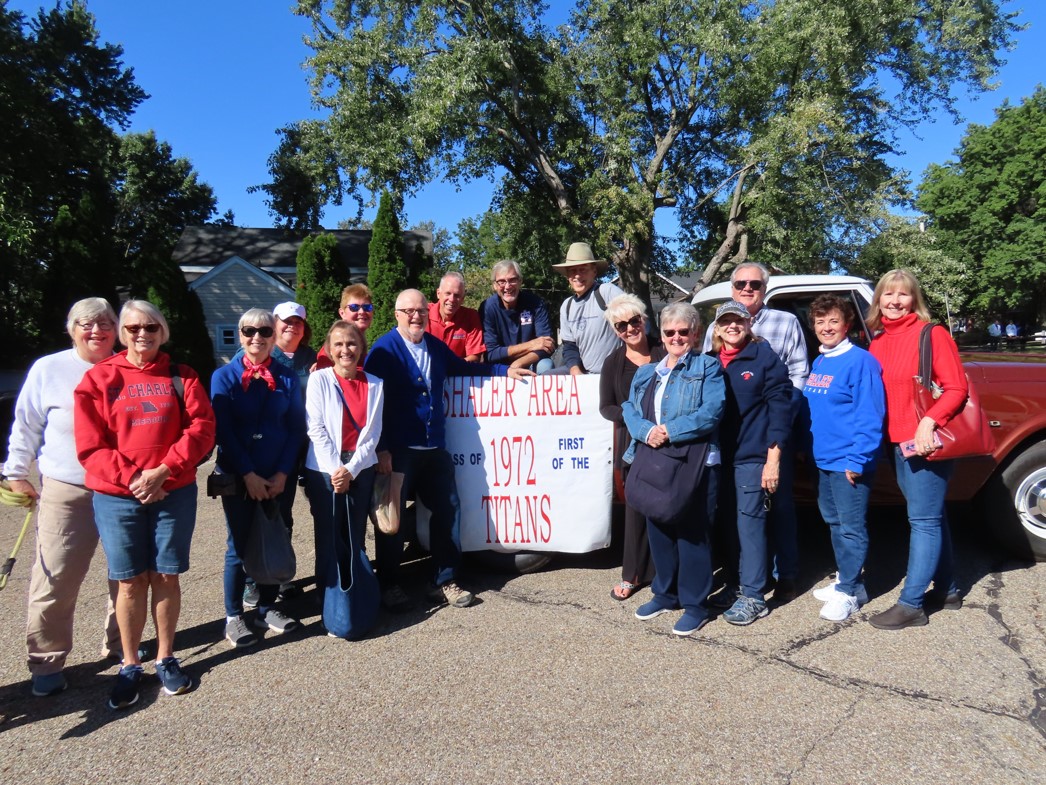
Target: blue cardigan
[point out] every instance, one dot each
(278, 416)
(412, 417)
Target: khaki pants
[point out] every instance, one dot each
(66, 539)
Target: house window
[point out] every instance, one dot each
(226, 336)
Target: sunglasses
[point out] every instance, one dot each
(768, 501)
(635, 321)
(250, 332)
(365, 307)
(134, 329)
(683, 332)
(755, 285)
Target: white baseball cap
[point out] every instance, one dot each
(285, 311)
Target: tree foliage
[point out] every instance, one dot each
(765, 124)
(387, 273)
(989, 206)
(320, 281)
(83, 210)
(908, 244)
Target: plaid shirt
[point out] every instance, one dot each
(782, 331)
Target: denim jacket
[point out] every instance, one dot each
(692, 405)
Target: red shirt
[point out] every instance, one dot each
(464, 335)
(355, 395)
(897, 350)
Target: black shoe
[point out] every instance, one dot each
(288, 591)
(898, 617)
(946, 602)
(785, 591)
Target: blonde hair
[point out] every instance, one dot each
(874, 317)
(622, 305)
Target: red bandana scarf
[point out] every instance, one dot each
(259, 371)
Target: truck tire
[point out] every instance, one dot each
(1016, 504)
(509, 563)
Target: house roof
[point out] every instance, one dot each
(207, 246)
(235, 261)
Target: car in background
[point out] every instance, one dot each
(1008, 487)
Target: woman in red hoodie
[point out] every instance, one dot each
(899, 310)
(142, 424)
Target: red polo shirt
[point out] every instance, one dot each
(464, 335)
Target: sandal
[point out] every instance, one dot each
(623, 590)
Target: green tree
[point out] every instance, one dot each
(765, 124)
(387, 273)
(62, 93)
(303, 182)
(908, 244)
(320, 276)
(989, 206)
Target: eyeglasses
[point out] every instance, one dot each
(683, 332)
(768, 501)
(134, 329)
(636, 321)
(755, 285)
(100, 324)
(249, 332)
(501, 283)
(365, 307)
(410, 313)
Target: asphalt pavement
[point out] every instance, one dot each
(547, 679)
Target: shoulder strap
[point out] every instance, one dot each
(926, 356)
(345, 403)
(599, 298)
(177, 383)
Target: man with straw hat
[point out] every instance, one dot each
(587, 337)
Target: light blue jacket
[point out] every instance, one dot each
(692, 405)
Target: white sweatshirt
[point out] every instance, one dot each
(43, 426)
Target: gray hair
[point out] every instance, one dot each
(453, 274)
(502, 266)
(681, 312)
(763, 272)
(622, 307)
(151, 312)
(89, 308)
(257, 317)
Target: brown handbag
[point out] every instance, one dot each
(967, 434)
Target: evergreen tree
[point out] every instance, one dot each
(320, 277)
(387, 273)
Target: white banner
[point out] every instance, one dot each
(534, 462)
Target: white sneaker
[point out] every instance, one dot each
(839, 607)
(824, 594)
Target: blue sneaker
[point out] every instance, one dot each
(48, 684)
(746, 610)
(125, 693)
(688, 624)
(650, 609)
(175, 681)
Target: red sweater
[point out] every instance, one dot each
(897, 350)
(127, 419)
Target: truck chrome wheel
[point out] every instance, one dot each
(1030, 502)
(1015, 504)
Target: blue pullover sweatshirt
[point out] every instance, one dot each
(847, 407)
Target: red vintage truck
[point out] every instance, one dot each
(1007, 488)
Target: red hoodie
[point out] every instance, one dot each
(127, 419)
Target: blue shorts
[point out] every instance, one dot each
(140, 537)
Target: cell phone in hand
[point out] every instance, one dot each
(908, 448)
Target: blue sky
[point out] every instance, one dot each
(223, 75)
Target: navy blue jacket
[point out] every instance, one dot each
(412, 417)
(758, 404)
(277, 416)
(505, 327)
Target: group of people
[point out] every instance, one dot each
(728, 421)
(118, 438)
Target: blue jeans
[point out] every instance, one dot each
(783, 524)
(844, 508)
(751, 528)
(239, 517)
(924, 484)
(331, 521)
(681, 553)
(430, 475)
(141, 538)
